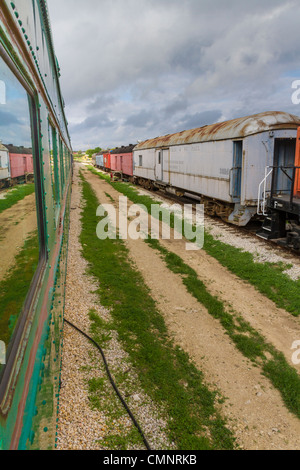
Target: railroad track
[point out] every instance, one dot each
(249, 231)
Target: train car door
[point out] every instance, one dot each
(284, 161)
(236, 181)
(159, 164)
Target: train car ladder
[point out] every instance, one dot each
(262, 195)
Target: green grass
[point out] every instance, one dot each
(267, 278)
(165, 371)
(15, 286)
(247, 340)
(16, 195)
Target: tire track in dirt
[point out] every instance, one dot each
(255, 410)
(277, 326)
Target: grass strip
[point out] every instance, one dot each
(16, 195)
(165, 372)
(251, 344)
(267, 278)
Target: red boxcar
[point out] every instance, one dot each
(20, 165)
(113, 161)
(122, 160)
(106, 161)
(21, 161)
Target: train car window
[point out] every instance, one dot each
(19, 239)
(66, 160)
(62, 171)
(54, 163)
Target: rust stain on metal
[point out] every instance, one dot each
(236, 128)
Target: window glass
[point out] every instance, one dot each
(141, 160)
(66, 160)
(19, 241)
(53, 163)
(61, 157)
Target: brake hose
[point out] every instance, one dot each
(136, 424)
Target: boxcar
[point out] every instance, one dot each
(4, 166)
(122, 160)
(221, 164)
(21, 163)
(106, 161)
(99, 161)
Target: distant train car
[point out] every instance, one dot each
(21, 164)
(221, 164)
(18, 165)
(4, 166)
(99, 161)
(107, 161)
(122, 161)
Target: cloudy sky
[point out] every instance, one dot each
(137, 69)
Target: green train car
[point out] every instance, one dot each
(34, 225)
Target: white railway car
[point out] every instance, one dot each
(4, 165)
(222, 164)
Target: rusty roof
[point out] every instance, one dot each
(234, 129)
(123, 149)
(18, 149)
(2, 146)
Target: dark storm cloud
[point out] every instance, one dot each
(92, 122)
(141, 119)
(101, 101)
(134, 69)
(176, 106)
(200, 119)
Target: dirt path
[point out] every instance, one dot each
(15, 225)
(255, 409)
(279, 327)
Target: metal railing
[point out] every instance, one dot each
(262, 199)
(290, 191)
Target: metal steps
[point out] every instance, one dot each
(273, 226)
